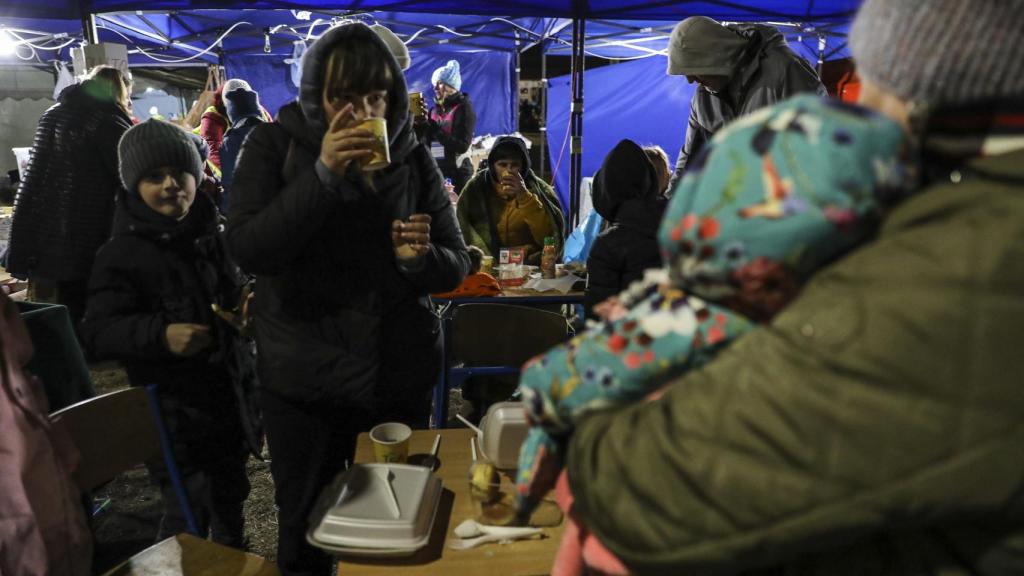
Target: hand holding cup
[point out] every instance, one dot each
(512, 185)
(343, 142)
(411, 238)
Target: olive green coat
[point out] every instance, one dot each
(874, 427)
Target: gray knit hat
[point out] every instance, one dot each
(153, 144)
(941, 52)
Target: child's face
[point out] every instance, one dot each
(169, 191)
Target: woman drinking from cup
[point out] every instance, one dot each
(345, 258)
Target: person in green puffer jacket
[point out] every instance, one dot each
(506, 205)
(876, 426)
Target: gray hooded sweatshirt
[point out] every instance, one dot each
(761, 67)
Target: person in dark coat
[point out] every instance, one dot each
(627, 194)
(150, 306)
(449, 127)
(244, 112)
(739, 68)
(345, 260)
(65, 206)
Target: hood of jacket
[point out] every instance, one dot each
(625, 175)
(700, 46)
(503, 144)
(241, 103)
(312, 86)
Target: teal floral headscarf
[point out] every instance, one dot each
(776, 195)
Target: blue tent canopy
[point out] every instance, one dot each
(255, 38)
(800, 10)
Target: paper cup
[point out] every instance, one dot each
(390, 442)
(381, 152)
(416, 103)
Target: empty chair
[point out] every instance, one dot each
(493, 339)
(120, 430)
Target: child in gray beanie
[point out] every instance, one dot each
(153, 296)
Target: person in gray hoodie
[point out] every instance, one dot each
(739, 68)
(345, 259)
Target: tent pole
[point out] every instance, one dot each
(576, 122)
(88, 23)
(543, 107)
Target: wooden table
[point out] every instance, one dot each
(186, 555)
(519, 558)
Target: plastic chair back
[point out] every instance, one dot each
(503, 335)
(115, 432)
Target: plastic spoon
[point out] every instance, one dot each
(470, 528)
(468, 543)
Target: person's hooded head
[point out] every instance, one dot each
(627, 173)
(241, 101)
(508, 154)
(350, 63)
(705, 52)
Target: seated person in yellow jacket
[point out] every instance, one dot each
(506, 205)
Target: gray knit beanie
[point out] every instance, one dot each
(153, 144)
(941, 52)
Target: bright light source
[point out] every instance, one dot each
(7, 45)
(149, 88)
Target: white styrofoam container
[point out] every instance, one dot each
(503, 430)
(355, 514)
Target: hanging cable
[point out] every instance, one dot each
(453, 32)
(176, 60)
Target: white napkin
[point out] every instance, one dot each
(562, 284)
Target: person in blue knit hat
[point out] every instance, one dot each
(448, 129)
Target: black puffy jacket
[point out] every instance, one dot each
(626, 194)
(65, 206)
(154, 272)
(337, 318)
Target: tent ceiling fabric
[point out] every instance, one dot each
(801, 10)
(168, 38)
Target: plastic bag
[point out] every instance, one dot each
(577, 245)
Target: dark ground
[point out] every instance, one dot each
(131, 506)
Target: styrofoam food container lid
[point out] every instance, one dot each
(503, 431)
(357, 510)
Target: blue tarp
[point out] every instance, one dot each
(485, 75)
(634, 100)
